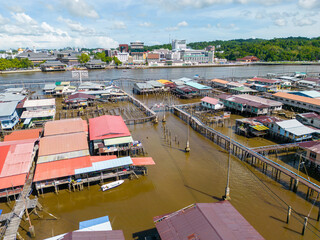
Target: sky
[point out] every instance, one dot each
(106, 23)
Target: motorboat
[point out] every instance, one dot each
(111, 185)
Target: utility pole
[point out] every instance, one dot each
(187, 149)
(227, 190)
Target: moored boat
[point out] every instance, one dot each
(111, 185)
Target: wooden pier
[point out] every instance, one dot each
(249, 155)
(276, 148)
(78, 185)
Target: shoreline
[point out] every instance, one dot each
(189, 66)
(21, 71)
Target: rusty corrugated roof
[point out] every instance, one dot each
(217, 221)
(65, 126)
(56, 144)
(23, 134)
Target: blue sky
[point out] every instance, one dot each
(106, 23)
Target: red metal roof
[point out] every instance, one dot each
(215, 221)
(143, 161)
(107, 126)
(102, 158)
(63, 143)
(15, 162)
(13, 181)
(67, 167)
(61, 168)
(210, 100)
(64, 126)
(80, 96)
(265, 80)
(23, 134)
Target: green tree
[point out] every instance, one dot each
(101, 56)
(116, 61)
(83, 58)
(109, 59)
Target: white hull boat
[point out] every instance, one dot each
(111, 185)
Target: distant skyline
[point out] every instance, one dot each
(106, 23)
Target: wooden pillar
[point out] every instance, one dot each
(288, 214)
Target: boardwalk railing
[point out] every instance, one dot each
(244, 153)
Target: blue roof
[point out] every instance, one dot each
(197, 85)
(310, 94)
(7, 108)
(93, 222)
(108, 164)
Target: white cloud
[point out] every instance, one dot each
(119, 25)
(280, 22)
(303, 22)
(182, 24)
(74, 26)
(309, 4)
(24, 19)
(80, 8)
(145, 24)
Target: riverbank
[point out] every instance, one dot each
(21, 71)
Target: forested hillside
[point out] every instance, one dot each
(278, 49)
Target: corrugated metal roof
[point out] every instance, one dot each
(15, 160)
(23, 134)
(52, 145)
(13, 181)
(40, 103)
(216, 80)
(310, 94)
(219, 221)
(7, 108)
(155, 83)
(65, 126)
(295, 127)
(61, 168)
(308, 100)
(9, 97)
(197, 85)
(107, 126)
(39, 114)
(144, 85)
(210, 100)
(143, 161)
(108, 164)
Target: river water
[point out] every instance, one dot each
(178, 179)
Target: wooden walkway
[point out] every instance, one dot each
(13, 222)
(247, 154)
(277, 147)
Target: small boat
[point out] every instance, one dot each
(108, 186)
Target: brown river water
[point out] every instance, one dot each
(179, 179)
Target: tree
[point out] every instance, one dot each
(109, 59)
(101, 56)
(83, 58)
(116, 61)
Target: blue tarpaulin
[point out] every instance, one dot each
(93, 222)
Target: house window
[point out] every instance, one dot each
(313, 155)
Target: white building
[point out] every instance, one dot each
(179, 45)
(123, 56)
